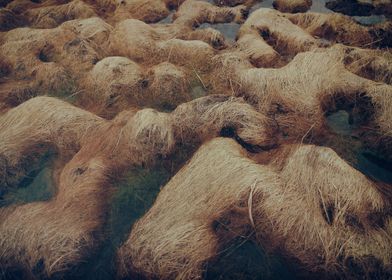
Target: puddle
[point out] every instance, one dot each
(197, 89)
(339, 123)
(263, 4)
(38, 185)
(318, 6)
(370, 20)
(168, 19)
(134, 196)
(350, 147)
(229, 30)
(245, 260)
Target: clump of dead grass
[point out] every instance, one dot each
(288, 199)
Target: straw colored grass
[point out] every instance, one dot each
(304, 200)
(292, 6)
(342, 29)
(52, 16)
(51, 61)
(298, 100)
(55, 235)
(147, 11)
(266, 33)
(117, 83)
(193, 13)
(144, 43)
(40, 123)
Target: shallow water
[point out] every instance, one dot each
(168, 19)
(229, 30)
(370, 20)
(38, 185)
(339, 123)
(133, 197)
(367, 161)
(245, 260)
(197, 89)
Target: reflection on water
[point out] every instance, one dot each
(368, 162)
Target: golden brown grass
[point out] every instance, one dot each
(297, 100)
(274, 29)
(278, 82)
(292, 6)
(342, 29)
(304, 200)
(52, 16)
(57, 234)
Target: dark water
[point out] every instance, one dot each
(133, 197)
(38, 185)
(168, 19)
(245, 260)
(370, 20)
(365, 160)
(229, 30)
(197, 87)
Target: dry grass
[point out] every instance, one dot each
(292, 6)
(52, 16)
(278, 82)
(147, 11)
(58, 235)
(342, 29)
(271, 31)
(294, 201)
(298, 100)
(117, 83)
(194, 13)
(39, 124)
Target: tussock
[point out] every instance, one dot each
(53, 61)
(52, 16)
(343, 29)
(298, 100)
(292, 6)
(193, 12)
(359, 8)
(40, 123)
(205, 117)
(57, 235)
(143, 43)
(113, 84)
(308, 216)
(117, 83)
(168, 85)
(147, 11)
(133, 77)
(266, 33)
